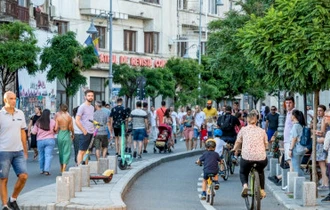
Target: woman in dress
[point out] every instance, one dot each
(44, 129)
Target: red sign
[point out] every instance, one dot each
(133, 61)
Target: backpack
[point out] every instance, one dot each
(306, 139)
(226, 123)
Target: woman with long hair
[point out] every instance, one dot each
(45, 130)
(77, 134)
(253, 141)
(33, 120)
(297, 151)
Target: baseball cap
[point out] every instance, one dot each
(209, 102)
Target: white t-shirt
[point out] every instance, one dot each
(153, 118)
(199, 119)
(220, 144)
(174, 116)
(180, 115)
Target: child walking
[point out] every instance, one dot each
(203, 136)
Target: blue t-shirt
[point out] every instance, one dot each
(210, 161)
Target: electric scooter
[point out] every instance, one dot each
(125, 159)
(107, 175)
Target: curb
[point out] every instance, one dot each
(120, 190)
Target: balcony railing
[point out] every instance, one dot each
(14, 10)
(41, 19)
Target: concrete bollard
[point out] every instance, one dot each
(268, 158)
(298, 187)
(71, 177)
(309, 194)
(272, 167)
(77, 176)
(285, 177)
(104, 165)
(94, 166)
(278, 169)
(113, 163)
(291, 176)
(62, 189)
(85, 173)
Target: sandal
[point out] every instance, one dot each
(262, 194)
(42, 172)
(46, 173)
(35, 155)
(244, 192)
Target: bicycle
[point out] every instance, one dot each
(225, 170)
(252, 200)
(228, 156)
(210, 191)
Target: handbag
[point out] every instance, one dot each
(284, 164)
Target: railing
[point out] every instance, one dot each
(42, 20)
(16, 11)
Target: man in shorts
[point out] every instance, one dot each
(101, 138)
(13, 150)
(118, 114)
(84, 114)
(140, 125)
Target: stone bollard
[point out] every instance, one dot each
(309, 194)
(113, 163)
(71, 177)
(62, 189)
(77, 178)
(272, 167)
(94, 166)
(268, 158)
(85, 173)
(278, 169)
(285, 177)
(291, 176)
(298, 187)
(104, 165)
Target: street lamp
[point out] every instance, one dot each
(92, 30)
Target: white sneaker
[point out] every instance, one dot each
(285, 187)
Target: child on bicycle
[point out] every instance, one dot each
(219, 149)
(211, 161)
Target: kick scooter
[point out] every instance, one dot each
(125, 159)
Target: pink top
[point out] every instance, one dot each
(253, 139)
(42, 134)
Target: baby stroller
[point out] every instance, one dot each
(163, 141)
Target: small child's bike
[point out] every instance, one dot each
(210, 192)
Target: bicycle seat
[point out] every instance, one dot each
(211, 175)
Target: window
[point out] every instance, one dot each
(151, 42)
(213, 9)
(130, 41)
(182, 46)
(62, 26)
(101, 37)
(152, 1)
(182, 4)
(97, 85)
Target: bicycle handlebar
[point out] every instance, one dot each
(95, 123)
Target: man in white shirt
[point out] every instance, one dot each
(199, 117)
(180, 116)
(175, 121)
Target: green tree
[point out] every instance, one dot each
(19, 50)
(185, 73)
(154, 80)
(168, 83)
(290, 45)
(66, 59)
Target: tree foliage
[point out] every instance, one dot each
(66, 59)
(18, 50)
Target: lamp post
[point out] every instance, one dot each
(93, 30)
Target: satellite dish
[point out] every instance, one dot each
(38, 2)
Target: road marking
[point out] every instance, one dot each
(206, 205)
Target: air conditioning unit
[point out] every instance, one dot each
(52, 10)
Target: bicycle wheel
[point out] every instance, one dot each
(212, 194)
(225, 171)
(257, 196)
(249, 199)
(232, 165)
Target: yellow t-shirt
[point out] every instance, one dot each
(210, 112)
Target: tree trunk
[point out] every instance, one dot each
(314, 171)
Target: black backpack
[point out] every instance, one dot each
(226, 123)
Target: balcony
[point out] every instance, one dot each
(41, 19)
(12, 9)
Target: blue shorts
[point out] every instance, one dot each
(139, 134)
(270, 133)
(84, 141)
(181, 128)
(196, 133)
(16, 159)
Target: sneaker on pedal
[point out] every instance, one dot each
(217, 185)
(222, 173)
(12, 205)
(326, 199)
(203, 196)
(5, 208)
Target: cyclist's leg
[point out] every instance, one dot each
(260, 168)
(245, 167)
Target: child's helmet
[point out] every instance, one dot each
(210, 144)
(217, 133)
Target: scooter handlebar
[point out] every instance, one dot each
(95, 123)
